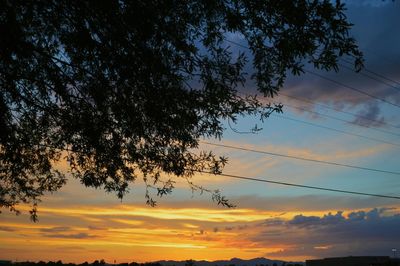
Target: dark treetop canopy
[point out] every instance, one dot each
(125, 89)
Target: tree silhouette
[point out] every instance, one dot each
(190, 263)
(125, 89)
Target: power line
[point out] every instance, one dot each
(337, 110)
(370, 77)
(303, 186)
(299, 185)
(351, 88)
(332, 80)
(344, 60)
(339, 119)
(338, 130)
(380, 75)
(365, 69)
(296, 185)
(301, 158)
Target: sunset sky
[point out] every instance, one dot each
(80, 224)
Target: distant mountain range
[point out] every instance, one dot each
(234, 261)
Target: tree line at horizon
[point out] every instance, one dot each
(103, 262)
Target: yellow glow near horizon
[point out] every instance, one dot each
(147, 234)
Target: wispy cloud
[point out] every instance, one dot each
(71, 236)
(56, 229)
(7, 229)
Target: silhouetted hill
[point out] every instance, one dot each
(233, 261)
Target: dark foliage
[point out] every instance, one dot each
(125, 89)
(95, 263)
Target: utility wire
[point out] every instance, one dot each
(337, 110)
(338, 130)
(339, 119)
(332, 80)
(351, 88)
(297, 185)
(347, 61)
(364, 69)
(375, 73)
(303, 186)
(370, 77)
(300, 158)
(293, 184)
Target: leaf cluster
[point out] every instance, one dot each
(123, 90)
